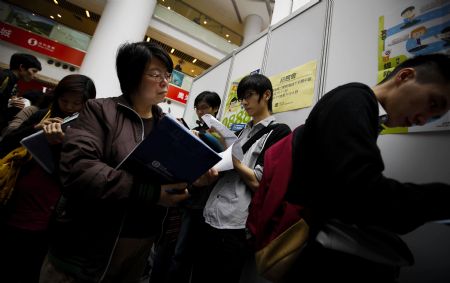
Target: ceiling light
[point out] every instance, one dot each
(56, 2)
(59, 16)
(195, 60)
(227, 35)
(192, 70)
(87, 14)
(229, 40)
(173, 50)
(148, 38)
(168, 7)
(52, 17)
(205, 22)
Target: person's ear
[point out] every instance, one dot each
(267, 94)
(405, 74)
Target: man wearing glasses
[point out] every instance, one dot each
(224, 241)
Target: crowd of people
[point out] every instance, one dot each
(92, 221)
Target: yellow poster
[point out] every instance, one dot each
(233, 112)
(294, 89)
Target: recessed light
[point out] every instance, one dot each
(195, 60)
(227, 35)
(173, 50)
(88, 14)
(59, 16)
(56, 2)
(52, 17)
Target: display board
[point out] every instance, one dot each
(247, 59)
(295, 42)
(215, 79)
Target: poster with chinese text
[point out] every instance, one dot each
(417, 28)
(294, 88)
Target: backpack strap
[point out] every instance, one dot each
(4, 84)
(258, 135)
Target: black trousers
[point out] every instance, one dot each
(223, 256)
(318, 264)
(22, 253)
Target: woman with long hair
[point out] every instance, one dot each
(25, 218)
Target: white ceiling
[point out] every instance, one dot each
(220, 10)
(224, 12)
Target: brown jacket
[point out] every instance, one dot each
(96, 196)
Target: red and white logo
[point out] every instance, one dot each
(33, 41)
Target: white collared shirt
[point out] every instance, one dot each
(227, 205)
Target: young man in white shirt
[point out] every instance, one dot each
(224, 241)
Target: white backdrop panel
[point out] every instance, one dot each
(214, 80)
(246, 60)
(294, 43)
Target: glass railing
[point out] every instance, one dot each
(180, 15)
(192, 29)
(202, 20)
(42, 26)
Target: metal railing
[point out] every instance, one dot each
(203, 20)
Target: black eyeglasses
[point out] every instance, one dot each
(159, 77)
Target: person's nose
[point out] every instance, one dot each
(70, 108)
(33, 74)
(422, 119)
(164, 82)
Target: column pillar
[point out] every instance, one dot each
(121, 21)
(252, 27)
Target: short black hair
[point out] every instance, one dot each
(131, 60)
(258, 83)
(73, 84)
(410, 8)
(26, 60)
(210, 97)
(430, 68)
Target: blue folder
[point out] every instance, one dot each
(171, 153)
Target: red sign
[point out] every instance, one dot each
(177, 94)
(41, 44)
